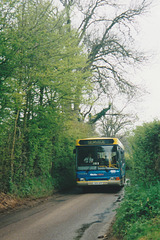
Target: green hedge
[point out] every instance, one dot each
(138, 217)
(140, 208)
(145, 152)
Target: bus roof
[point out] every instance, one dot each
(99, 141)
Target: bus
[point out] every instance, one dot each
(100, 161)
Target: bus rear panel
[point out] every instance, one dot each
(100, 161)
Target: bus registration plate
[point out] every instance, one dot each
(96, 183)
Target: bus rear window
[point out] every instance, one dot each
(96, 156)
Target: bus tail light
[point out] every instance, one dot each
(117, 178)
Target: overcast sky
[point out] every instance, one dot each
(149, 106)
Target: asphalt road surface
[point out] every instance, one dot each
(72, 216)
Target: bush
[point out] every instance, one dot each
(145, 230)
(145, 152)
(63, 170)
(139, 207)
(35, 187)
(139, 214)
(152, 230)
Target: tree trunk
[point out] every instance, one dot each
(13, 145)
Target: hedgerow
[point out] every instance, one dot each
(140, 206)
(139, 214)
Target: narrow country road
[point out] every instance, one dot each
(72, 216)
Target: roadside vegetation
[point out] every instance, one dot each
(138, 217)
(43, 78)
(55, 69)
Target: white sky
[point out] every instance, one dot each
(149, 106)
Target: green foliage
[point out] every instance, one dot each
(145, 152)
(5, 150)
(139, 207)
(33, 187)
(144, 230)
(138, 215)
(43, 79)
(151, 230)
(63, 170)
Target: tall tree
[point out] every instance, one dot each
(42, 74)
(108, 29)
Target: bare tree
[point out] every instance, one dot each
(110, 41)
(107, 29)
(116, 123)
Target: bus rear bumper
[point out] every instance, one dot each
(99, 183)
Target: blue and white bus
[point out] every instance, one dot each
(100, 161)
